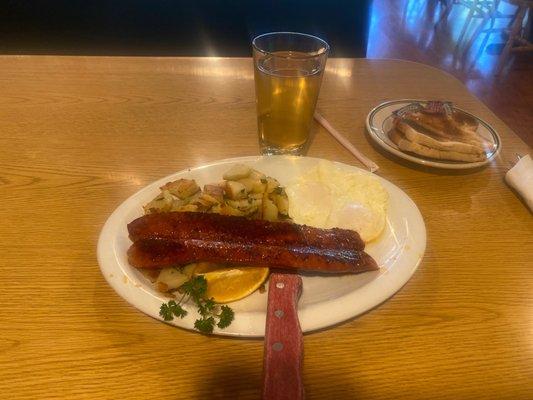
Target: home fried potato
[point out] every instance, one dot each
(244, 192)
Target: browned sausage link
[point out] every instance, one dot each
(157, 253)
(215, 227)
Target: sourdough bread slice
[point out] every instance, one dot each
(419, 136)
(419, 148)
(444, 129)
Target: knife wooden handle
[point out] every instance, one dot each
(283, 354)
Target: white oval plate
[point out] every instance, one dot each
(325, 300)
(379, 123)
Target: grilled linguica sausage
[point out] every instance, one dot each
(178, 238)
(157, 253)
(195, 225)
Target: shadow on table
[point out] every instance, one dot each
(236, 380)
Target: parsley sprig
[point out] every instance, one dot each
(195, 289)
(170, 310)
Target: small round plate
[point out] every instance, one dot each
(379, 123)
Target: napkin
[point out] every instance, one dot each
(520, 178)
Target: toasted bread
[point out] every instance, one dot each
(407, 145)
(438, 131)
(443, 128)
(438, 142)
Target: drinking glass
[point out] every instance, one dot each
(288, 69)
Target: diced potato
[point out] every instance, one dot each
(216, 191)
(177, 203)
(270, 211)
(235, 190)
(260, 187)
(205, 201)
(167, 195)
(282, 202)
(161, 203)
(257, 202)
(253, 185)
(238, 171)
(248, 184)
(217, 209)
(279, 190)
(182, 188)
(251, 211)
(243, 204)
(172, 277)
(272, 184)
(177, 206)
(188, 269)
(255, 196)
(257, 175)
(188, 207)
(247, 206)
(225, 209)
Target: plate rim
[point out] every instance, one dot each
(426, 162)
(330, 321)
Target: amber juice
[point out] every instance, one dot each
(287, 86)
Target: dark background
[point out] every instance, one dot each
(182, 28)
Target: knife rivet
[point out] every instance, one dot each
(280, 285)
(279, 313)
(278, 346)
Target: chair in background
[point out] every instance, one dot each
(519, 39)
(485, 10)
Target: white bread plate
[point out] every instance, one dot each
(380, 121)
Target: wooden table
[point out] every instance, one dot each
(80, 135)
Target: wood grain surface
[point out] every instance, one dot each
(78, 135)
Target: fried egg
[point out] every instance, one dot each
(328, 197)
